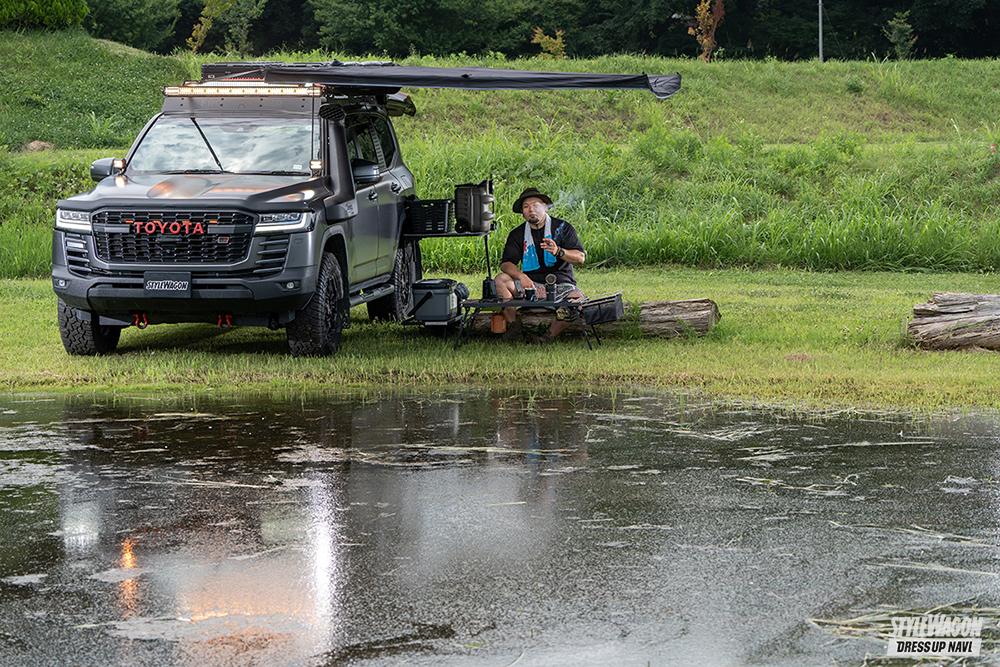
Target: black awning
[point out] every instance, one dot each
(389, 78)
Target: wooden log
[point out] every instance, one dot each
(666, 319)
(952, 321)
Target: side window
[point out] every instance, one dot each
(360, 143)
(385, 139)
(352, 142)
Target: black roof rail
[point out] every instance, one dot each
(254, 71)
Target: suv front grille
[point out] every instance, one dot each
(226, 241)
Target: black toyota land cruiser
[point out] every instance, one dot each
(265, 194)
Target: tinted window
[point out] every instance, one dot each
(360, 143)
(384, 135)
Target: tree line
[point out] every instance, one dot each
(784, 29)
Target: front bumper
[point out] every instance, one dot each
(114, 292)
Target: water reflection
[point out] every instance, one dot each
(567, 528)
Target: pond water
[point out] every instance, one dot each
(481, 527)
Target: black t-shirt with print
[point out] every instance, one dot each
(565, 237)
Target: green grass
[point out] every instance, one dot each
(77, 92)
(658, 198)
(863, 165)
(809, 339)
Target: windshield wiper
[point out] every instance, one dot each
(210, 149)
(277, 172)
(195, 171)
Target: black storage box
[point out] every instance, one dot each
(430, 216)
(603, 310)
(438, 301)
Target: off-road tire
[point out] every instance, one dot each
(397, 306)
(84, 338)
(316, 329)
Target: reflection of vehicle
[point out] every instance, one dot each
(266, 194)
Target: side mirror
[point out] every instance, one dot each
(106, 166)
(365, 172)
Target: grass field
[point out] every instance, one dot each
(858, 165)
(801, 338)
(890, 168)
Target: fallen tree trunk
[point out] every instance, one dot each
(952, 321)
(665, 319)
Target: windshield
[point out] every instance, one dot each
(225, 145)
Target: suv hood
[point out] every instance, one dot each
(249, 188)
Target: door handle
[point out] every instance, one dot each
(373, 195)
(395, 187)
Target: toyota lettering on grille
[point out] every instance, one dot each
(175, 228)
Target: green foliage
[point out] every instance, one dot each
(211, 10)
(42, 13)
(402, 27)
(30, 185)
(899, 32)
(238, 19)
(144, 24)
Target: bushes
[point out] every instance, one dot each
(30, 185)
(49, 14)
(144, 24)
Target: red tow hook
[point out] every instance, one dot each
(224, 321)
(140, 320)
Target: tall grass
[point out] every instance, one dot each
(669, 197)
(659, 197)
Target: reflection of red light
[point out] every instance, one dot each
(128, 589)
(128, 555)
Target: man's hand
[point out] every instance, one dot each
(550, 246)
(526, 282)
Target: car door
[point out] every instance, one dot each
(365, 226)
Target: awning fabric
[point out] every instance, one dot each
(389, 78)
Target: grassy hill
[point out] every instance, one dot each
(78, 92)
(864, 165)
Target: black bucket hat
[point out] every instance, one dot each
(531, 192)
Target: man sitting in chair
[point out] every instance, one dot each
(543, 246)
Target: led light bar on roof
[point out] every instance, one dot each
(219, 89)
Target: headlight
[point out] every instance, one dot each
(74, 221)
(283, 222)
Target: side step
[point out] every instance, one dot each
(372, 294)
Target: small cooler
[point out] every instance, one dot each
(438, 301)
